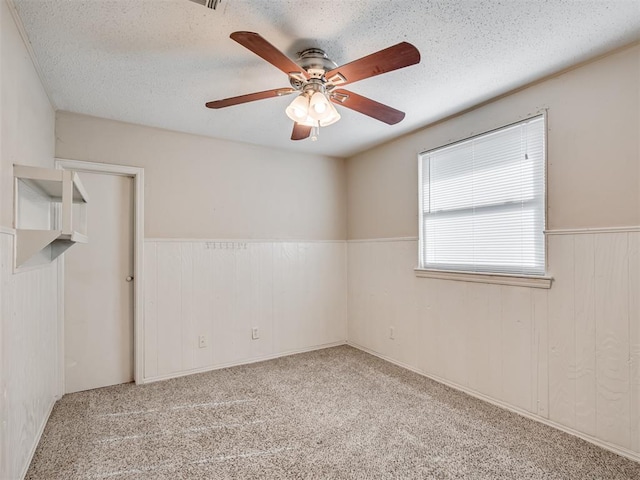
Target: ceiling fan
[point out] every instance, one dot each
(318, 80)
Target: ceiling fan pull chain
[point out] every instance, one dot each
(315, 133)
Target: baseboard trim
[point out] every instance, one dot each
(262, 358)
(32, 452)
(588, 438)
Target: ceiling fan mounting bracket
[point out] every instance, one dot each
(340, 97)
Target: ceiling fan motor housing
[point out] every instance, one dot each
(316, 63)
(316, 59)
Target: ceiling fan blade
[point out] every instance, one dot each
(367, 106)
(398, 56)
(300, 132)
(251, 97)
(268, 52)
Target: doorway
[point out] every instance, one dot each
(102, 280)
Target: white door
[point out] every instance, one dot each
(98, 289)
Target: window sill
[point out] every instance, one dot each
(478, 277)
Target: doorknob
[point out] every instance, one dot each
(129, 278)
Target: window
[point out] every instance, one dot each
(482, 202)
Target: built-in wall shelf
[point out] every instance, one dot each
(50, 213)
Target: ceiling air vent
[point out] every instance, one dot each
(212, 4)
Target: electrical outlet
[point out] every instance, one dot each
(254, 333)
(202, 341)
(392, 333)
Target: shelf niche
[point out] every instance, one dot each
(50, 213)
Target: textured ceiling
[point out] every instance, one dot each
(156, 62)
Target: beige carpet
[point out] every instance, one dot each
(331, 414)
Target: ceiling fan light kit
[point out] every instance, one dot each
(315, 78)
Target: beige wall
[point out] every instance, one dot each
(593, 152)
(199, 187)
(26, 116)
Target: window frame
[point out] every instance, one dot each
(527, 280)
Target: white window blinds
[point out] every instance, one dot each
(482, 202)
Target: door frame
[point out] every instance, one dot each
(137, 174)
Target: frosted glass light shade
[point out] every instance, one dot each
(331, 118)
(319, 106)
(298, 110)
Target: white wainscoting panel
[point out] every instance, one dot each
(294, 293)
(29, 381)
(562, 335)
(569, 354)
(634, 338)
(612, 338)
